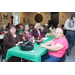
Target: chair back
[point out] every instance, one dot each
(63, 58)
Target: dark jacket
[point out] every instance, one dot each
(46, 30)
(9, 41)
(1, 30)
(35, 33)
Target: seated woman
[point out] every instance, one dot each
(37, 31)
(10, 40)
(26, 33)
(57, 48)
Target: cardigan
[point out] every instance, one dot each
(35, 33)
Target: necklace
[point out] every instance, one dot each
(55, 41)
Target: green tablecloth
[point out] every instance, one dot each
(20, 31)
(31, 30)
(33, 56)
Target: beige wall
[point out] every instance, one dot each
(31, 16)
(46, 17)
(22, 14)
(63, 19)
(4, 21)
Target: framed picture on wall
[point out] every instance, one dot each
(0, 17)
(5, 16)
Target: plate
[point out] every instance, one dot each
(45, 38)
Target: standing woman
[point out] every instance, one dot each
(70, 31)
(10, 40)
(37, 31)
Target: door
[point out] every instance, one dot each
(55, 18)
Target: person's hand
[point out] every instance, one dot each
(42, 45)
(19, 43)
(46, 35)
(24, 39)
(33, 41)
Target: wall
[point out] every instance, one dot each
(46, 17)
(63, 16)
(5, 21)
(22, 14)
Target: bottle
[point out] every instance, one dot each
(38, 41)
(33, 39)
(51, 35)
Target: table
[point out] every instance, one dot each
(34, 55)
(20, 31)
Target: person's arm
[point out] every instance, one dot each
(53, 48)
(65, 26)
(7, 42)
(49, 43)
(21, 38)
(35, 33)
(46, 44)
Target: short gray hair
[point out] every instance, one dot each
(37, 25)
(4, 25)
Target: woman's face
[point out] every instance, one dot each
(26, 27)
(13, 30)
(38, 26)
(58, 34)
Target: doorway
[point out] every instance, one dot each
(55, 18)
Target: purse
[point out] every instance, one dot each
(26, 46)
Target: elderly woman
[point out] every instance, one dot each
(26, 33)
(37, 31)
(57, 48)
(10, 40)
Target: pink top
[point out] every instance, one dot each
(63, 41)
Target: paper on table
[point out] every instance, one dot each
(45, 38)
(32, 51)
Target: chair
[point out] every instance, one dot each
(2, 52)
(63, 58)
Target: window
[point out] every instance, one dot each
(16, 19)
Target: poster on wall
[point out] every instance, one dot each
(5, 16)
(47, 16)
(0, 17)
(62, 16)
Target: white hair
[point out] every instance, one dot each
(60, 30)
(4, 25)
(37, 25)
